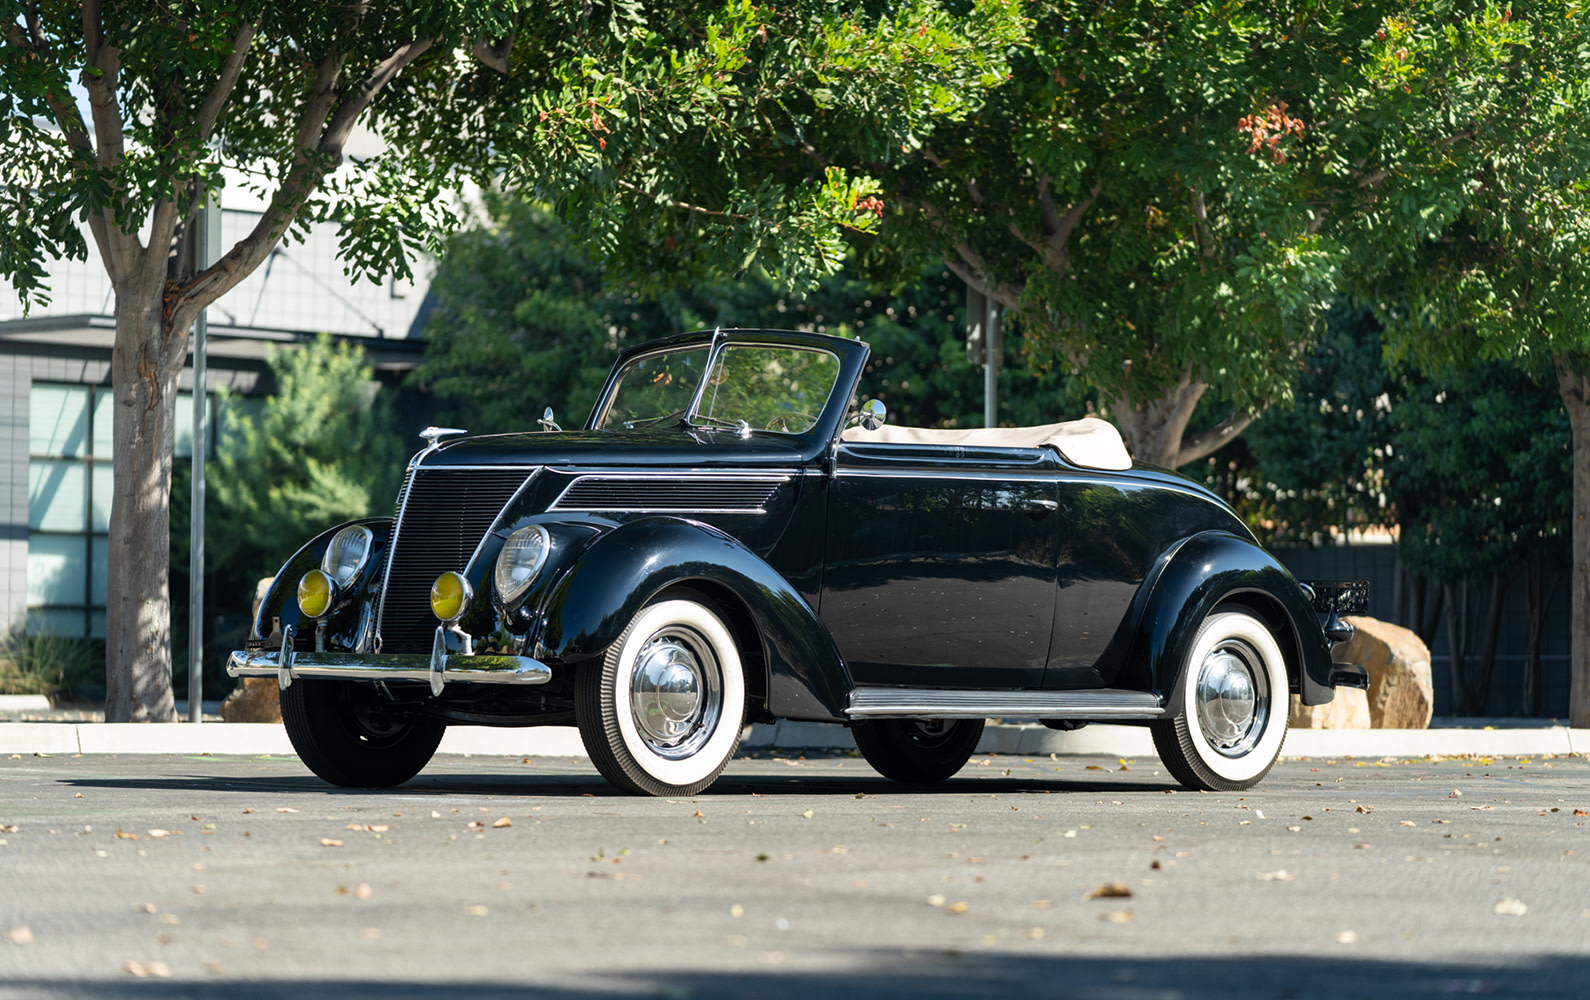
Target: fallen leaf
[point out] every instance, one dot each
(1110, 890)
(11, 828)
(1510, 908)
(124, 835)
(135, 968)
(159, 970)
(1095, 767)
(737, 911)
(1117, 916)
(1347, 937)
(959, 907)
(363, 891)
(20, 935)
(330, 842)
(198, 890)
(77, 795)
(806, 815)
(247, 811)
(158, 834)
(286, 809)
(502, 822)
(1407, 822)
(1579, 812)
(1364, 809)
(1042, 904)
(1278, 876)
(937, 899)
(143, 907)
(1295, 829)
(371, 933)
(476, 910)
(170, 919)
(377, 828)
(1479, 808)
(1456, 794)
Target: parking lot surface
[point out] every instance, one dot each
(1023, 876)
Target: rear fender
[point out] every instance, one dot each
(1207, 571)
(620, 571)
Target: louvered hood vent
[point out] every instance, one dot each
(685, 493)
(442, 515)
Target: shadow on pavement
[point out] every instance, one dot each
(934, 975)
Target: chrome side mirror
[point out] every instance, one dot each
(872, 414)
(547, 423)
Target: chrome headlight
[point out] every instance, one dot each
(523, 555)
(346, 554)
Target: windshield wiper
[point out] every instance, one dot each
(739, 427)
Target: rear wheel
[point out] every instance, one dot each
(662, 713)
(1228, 713)
(351, 736)
(917, 749)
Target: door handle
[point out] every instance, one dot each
(1040, 507)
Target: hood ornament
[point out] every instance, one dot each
(547, 423)
(433, 436)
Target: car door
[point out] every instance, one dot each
(940, 564)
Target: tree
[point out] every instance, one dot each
(285, 470)
(527, 318)
(1170, 194)
(178, 91)
(1508, 277)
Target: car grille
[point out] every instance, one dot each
(442, 516)
(693, 493)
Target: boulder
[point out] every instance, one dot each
(257, 699)
(1348, 710)
(1401, 691)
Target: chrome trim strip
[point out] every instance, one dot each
(488, 668)
(391, 546)
(774, 481)
(940, 703)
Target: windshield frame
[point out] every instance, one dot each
(852, 356)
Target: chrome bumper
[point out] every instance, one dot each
(440, 668)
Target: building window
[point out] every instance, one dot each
(69, 494)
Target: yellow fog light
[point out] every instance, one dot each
(316, 593)
(450, 596)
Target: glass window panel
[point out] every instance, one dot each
(53, 621)
(104, 483)
(104, 414)
(57, 570)
(98, 570)
(182, 445)
(57, 495)
(58, 420)
(96, 625)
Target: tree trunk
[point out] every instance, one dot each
(1575, 389)
(1156, 430)
(138, 618)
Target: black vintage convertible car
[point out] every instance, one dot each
(730, 539)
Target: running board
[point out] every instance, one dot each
(940, 703)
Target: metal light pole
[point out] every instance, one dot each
(207, 249)
(984, 346)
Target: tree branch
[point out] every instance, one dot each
(103, 65)
(675, 203)
(1208, 442)
(215, 100)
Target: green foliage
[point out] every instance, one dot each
(1474, 467)
(321, 450)
(40, 662)
(525, 319)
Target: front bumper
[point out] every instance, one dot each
(439, 669)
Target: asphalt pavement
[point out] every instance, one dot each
(1045, 876)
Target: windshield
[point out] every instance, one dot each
(768, 388)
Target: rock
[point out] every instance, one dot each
(1401, 691)
(257, 699)
(1348, 710)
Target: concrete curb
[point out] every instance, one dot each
(1029, 739)
(18, 704)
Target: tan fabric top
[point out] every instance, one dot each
(1090, 443)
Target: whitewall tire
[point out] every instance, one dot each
(662, 713)
(1228, 713)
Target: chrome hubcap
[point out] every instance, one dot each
(1233, 698)
(674, 694)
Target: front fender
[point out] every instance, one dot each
(620, 571)
(350, 619)
(1205, 571)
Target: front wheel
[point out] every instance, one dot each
(917, 749)
(351, 736)
(662, 713)
(1228, 715)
